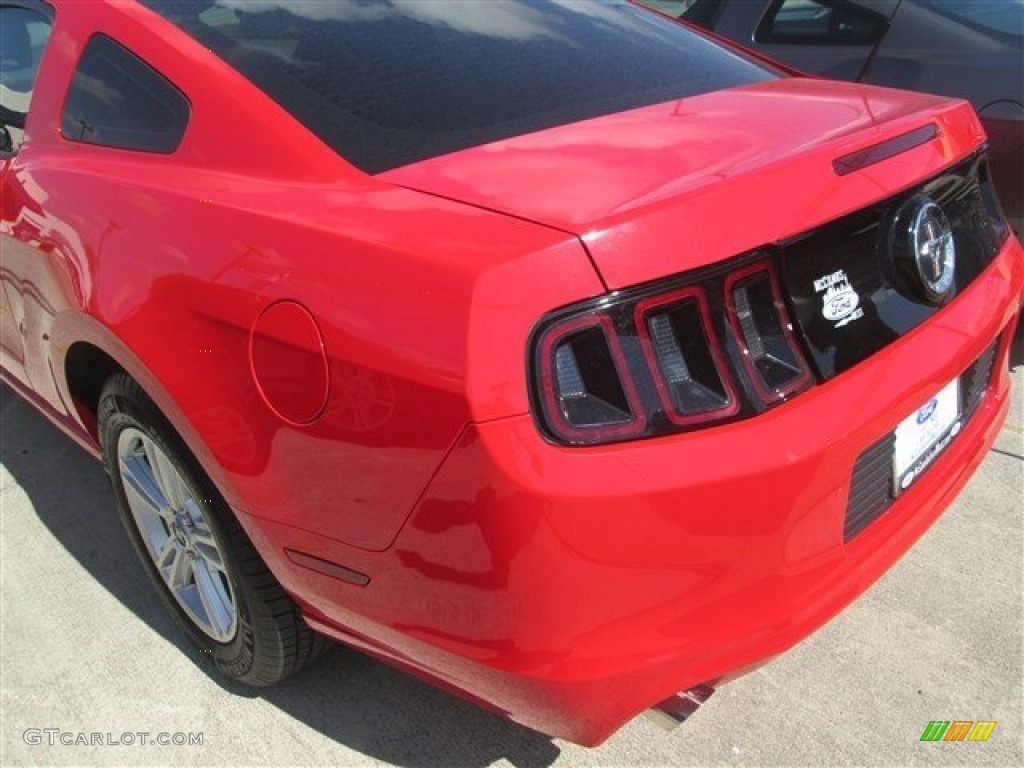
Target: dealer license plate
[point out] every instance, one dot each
(924, 435)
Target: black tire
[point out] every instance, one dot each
(271, 641)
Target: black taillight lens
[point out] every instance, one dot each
(588, 395)
(681, 354)
(681, 347)
(759, 319)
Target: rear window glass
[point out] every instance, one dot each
(392, 82)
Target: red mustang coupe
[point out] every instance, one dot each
(550, 350)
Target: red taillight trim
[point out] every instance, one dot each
(768, 395)
(647, 307)
(566, 431)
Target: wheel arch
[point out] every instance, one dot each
(85, 353)
(86, 369)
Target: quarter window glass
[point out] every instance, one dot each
(117, 100)
(820, 23)
(23, 36)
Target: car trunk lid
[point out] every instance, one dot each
(674, 186)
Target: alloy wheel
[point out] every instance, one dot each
(177, 536)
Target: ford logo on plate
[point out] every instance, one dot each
(927, 410)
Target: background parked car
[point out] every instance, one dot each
(973, 49)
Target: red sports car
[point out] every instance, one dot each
(553, 351)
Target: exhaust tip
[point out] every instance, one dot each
(679, 706)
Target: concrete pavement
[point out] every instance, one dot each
(86, 648)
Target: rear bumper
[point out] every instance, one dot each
(573, 588)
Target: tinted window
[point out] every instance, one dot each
(23, 36)
(1003, 17)
(820, 23)
(703, 13)
(117, 100)
(391, 82)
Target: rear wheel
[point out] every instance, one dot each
(203, 565)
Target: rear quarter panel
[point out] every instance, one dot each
(166, 261)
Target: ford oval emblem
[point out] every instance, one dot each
(840, 305)
(927, 410)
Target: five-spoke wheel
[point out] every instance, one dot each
(205, 567)
(177, 535)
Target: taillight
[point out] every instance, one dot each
(682, 354)
(761, 323)
(679, 341)
(588, 395)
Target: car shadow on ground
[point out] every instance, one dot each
(353, 699)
